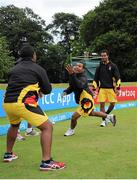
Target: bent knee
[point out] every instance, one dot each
(74, 118)
(92, 113)
(47, 125)
(15, 125)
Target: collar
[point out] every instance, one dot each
(26, 59)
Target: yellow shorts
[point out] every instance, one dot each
(86, 104)
(106, 95)
(18, 111)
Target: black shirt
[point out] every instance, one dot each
(77, 83)
(25, 80)
(106, 74)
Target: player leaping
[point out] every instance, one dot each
(79, 85)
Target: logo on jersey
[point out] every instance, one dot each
(109, 68)
(86, 104)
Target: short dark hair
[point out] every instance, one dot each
(83, 64)
(105, 51)
(26, 51)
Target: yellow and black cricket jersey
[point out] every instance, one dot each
(78, 84)
(106, 75)
(25, 81)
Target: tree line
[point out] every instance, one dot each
(112, 25)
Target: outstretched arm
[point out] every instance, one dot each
(80, 83)
(44, 84)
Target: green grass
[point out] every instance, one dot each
(93, 152)
(129, 84)
(3, 86)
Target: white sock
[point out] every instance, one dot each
(28, 130)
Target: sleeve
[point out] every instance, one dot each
(44, 84)
(79, 83)
(117, 76)
(95, 83)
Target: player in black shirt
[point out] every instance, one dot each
(83, 96)
(107, 82)
(27, 80)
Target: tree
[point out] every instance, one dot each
(65, 26)
(6, 60)
(21, 25)
(117, 44)
(53, 62)
(65, 29)
(113, 25)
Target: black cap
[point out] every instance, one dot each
(26, 51)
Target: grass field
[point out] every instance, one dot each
(93, 152)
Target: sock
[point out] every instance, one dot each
(47, 161)
(8, 153)
(108, 111)
(28, 130)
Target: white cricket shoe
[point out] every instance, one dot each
(20, 137)
(32, 133)
(69, 132)
(111, 118)
(103, 124)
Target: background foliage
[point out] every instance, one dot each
(6, 61)
(112, 25)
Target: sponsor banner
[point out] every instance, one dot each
(54, 100)
(127, 93)
(120, 106)
(4, 128)
(51, 101)
(60, 117)
(2, 113)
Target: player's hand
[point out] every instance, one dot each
(70, 69)
(63, 94)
